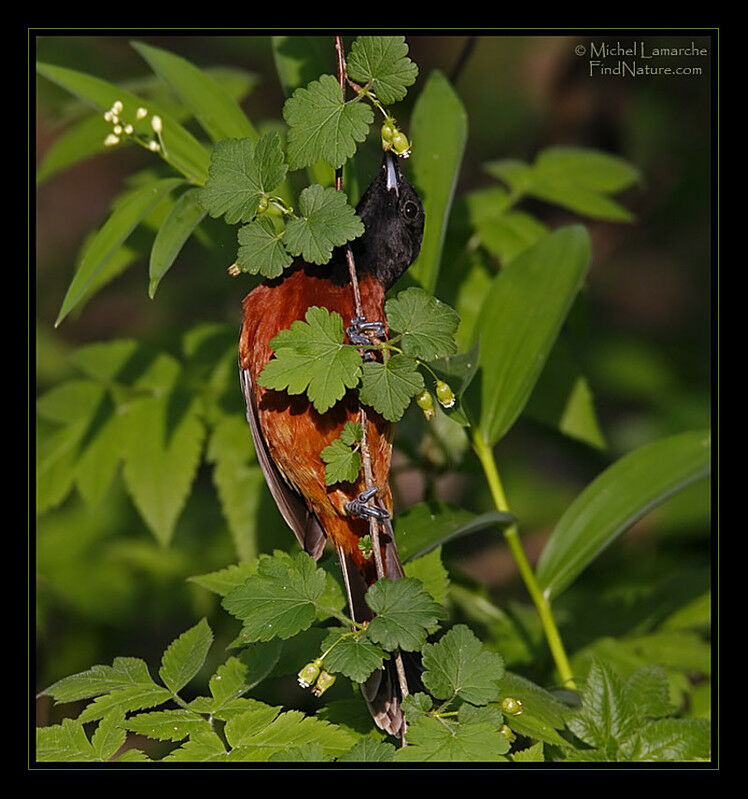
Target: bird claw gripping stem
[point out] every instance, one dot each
(361, 332)
(360, 506)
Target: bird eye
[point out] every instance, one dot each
(410, 209)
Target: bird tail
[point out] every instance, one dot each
(382, 690)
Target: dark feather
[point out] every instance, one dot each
(291, 504)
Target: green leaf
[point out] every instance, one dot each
(607, 716)
(533, 754)
(202, 747)
(388, 387)
(301, 59)
(168, 725)
(123, 700)
(649, 691)
(577, 179)
(458, 665)
(342, 464)
(592, 169)
(185, 656)
(623, 493)
(430, 570)
(367, 750)
(239, 482)
(311, 357)
(323, 126)
(178, 226)
(225, 580)
(83, 139)
(326, 221)
(279, 601)
(213, 106)
(520, 320)
(123, 220)
(185, 152)
(427, 525)
(261, 249)
(431, 739)
(405, 612)
(666, 740)
(109, 736)
(162, 445)
(426, 324)
(542, 713)
(439, 130)
(124, 672)
(65, 742)
(259, 733)
(241, 174)
(383, 62)
(353, 657)
(563, 400)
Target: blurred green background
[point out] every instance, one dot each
(641, 332)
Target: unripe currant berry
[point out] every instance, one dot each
(309, 673)
(324, 681)
(388, 132)
(400, 144)
(507, 733)
(262, 205)
(511, 706)
(444, 394)
(426, 403)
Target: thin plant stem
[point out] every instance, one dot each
(511, 533)
(363, 419)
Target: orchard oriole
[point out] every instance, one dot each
(289, 434)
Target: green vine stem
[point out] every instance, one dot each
(488, 462)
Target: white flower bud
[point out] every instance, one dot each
(154, 146)
(111, 140)
(117, 130)
(140, 113)
(117, 107)
(156, 123)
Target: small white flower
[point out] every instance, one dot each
(128, 129)
(117, 107)
(156, 123)
(111, 140)
(117, 130)
(108, 116)
(154, 146)
(140, 113)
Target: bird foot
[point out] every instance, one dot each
(361, 332)
(360, 506)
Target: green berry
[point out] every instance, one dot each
(309, 673)
(262, 205)
(324, 681)
(444, 394)
(511, 706)
(388, 133)
(508, 734)
(400, 144)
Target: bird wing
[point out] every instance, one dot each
(291, 504)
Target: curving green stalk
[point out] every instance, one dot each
(488, 462)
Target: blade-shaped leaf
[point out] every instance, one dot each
(185, 656)
(439, 132)
(214, 108)
(183, 218)
(520, 320)
(185, 151)
(112, 235)
(426, 526)
(621, 495)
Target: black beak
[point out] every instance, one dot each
(391, 172)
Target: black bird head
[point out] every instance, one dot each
(393, 217)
